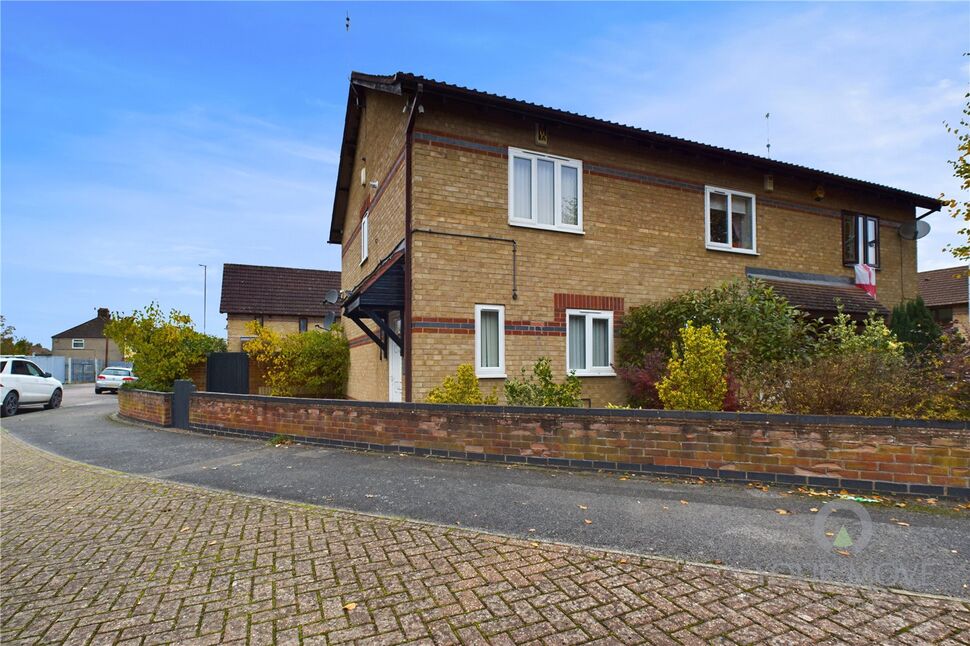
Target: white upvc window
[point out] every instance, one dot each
(77, 344)
(545, 192)
(490, 341)
(730, 221)
(364, 231)
(589, 343)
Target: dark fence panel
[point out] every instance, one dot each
(227, 372)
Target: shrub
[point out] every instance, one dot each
(642, 379)
(315, 363)
(540, 389)
(913, 324)
(462, 388)
(162, 348)
(696, 373)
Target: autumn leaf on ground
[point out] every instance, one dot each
(350, 606)
(782, 512)
(843, 553)
(587, 521)
(830, 534)
(534, 544)
(684, 502)
(814, 510)
(902, 523)
(583, 507)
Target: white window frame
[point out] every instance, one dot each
(75, 346)
(557, 198)
(590, 370)
(720, 246)
(490, 372)
(364, 232)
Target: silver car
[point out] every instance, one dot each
(113, 379)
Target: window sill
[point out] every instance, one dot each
(747, 252)
(490, 375)
(531, 225)
(592, 374)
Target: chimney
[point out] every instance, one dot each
(104, 313)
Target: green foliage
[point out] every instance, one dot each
(960, 210)
(315, 363)
(913, 324)
(162, 348)
(9, 344)
(760, 326)
(462, 388)
(696, 373)
(540, 389)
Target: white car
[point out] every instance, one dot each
(113, 379)
(24, 383)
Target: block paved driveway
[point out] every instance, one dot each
(94, 556)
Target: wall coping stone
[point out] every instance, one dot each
(647, 414)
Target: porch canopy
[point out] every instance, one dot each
(820, 295)
(381, 293)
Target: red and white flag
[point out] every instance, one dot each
(865, 277)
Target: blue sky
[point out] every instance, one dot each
(139, 140)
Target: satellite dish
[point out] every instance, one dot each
(331, 296)
(914, 230)
(328, 320)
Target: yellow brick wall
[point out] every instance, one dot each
(380, 148)
(642, 242)
(236, 327)
(94, 348)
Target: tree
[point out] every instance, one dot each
(10, 344)
(913, 324)
(960, 210)
(162, 348)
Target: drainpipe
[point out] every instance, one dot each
(408, 249)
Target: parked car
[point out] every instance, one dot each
(23, 383)
(113, 379)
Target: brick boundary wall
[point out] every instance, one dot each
(882, 455)
(146, 406)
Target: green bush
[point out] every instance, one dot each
(315, 363)
(913, 324)
(696, 373)
(162, 348)
(540, 389)
(462, 388)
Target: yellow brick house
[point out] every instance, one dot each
(480, 229)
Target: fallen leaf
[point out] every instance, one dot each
(717, 562)
(814, 510)
(534, 544)
(622, 561)
(843, 553)
(830, 534)
(587, 521)
(900, 504)
(350, 606)
(624, 478)
(683, 502)
(902, 524)
(666, 507)
(184, 529)
(782, 512)
(532, 529)
(583, 507)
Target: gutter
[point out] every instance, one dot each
(408, 236)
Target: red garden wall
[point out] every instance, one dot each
(869, 454)
(146, 406)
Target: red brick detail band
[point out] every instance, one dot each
(146, 406)
(856, 453)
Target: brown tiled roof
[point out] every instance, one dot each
(819, 299)
(93, 329)
(253, 289)
(942, 287)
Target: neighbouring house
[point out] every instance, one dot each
(481, 229)
(87, 341)
(946, 293)
(285, 299)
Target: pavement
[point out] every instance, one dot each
(92, 556)
(743, 527)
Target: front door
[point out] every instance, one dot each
(395, 364)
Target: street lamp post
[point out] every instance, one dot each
(205, 286)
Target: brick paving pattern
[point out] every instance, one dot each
(94, 557)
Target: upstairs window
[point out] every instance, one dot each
(77, 344)
(860, 239)
(589, 342)
(304, 324)
(730, 220)
(364, 231)
(489, 340)
(545, 192)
